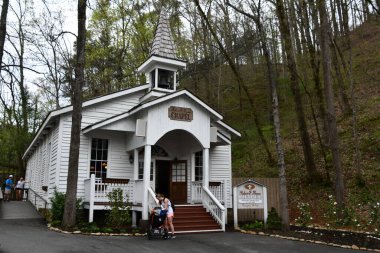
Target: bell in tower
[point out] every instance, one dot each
(162, 65)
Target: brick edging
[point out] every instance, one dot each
(86, 233)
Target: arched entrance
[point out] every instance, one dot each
(173, 173)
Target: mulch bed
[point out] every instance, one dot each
(336, 237)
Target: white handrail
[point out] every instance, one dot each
(152, 201)
(213, 205)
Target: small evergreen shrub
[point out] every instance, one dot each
(88, 227)
(273, 220)
(119, 215)
(107, 230)
(57, 207)
(256, 225)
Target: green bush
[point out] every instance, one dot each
(57, 206)
(254, 225)
(119, 215)
(273, 220)
(107, 230)
(88, 227)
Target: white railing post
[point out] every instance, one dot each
(92, 198)
(146, 180)
(206, 172)
(225, 199)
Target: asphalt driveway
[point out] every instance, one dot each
(30, 235)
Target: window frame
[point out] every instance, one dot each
(198, 167)
(104, 151)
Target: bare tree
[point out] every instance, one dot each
(48, 51)
(3, 29)
(329, 93)
(239, 80)
(294, 85)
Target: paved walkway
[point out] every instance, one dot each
(23, 230)
(16, 210)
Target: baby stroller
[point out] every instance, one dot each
(156, 228)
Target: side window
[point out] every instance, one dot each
(99, 157)
(198, 166)
(141, 170)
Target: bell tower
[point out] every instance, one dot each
(162, 65)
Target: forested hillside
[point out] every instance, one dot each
(360, 160)
(299, 79)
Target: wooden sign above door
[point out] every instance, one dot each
(180, 113)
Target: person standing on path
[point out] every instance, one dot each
(167, 205)
(8, 188)
(1, 188)
(20, 189)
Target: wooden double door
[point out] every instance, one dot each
(171, 180)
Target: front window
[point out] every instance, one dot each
(99, 158)
(198, 166)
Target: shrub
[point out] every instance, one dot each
(119, 214)
(254, 225)
(339, 217)
(304, 219)
(88, 227)
(57, 206)
(107, 230)
(273, 220)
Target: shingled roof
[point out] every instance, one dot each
(163, 44)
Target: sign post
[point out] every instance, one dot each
(250, 195)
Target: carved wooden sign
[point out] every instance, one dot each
(180, 113)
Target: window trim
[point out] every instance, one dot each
(198, 177)
(108, 155)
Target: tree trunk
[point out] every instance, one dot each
(345, 104)
(314, 63)
(333, 133)
(294, 85)
(3, 28)
(69, 216)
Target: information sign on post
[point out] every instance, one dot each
(250, 195)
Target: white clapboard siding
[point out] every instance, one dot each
(158, 116)
(101, 111)
(220, 168)
(119, 166)
(42, 164)
(53, 160)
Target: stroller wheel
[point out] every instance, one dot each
(166, 235)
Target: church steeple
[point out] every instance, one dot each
(162, 65)
(163, 44)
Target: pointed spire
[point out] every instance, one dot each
(163, 44)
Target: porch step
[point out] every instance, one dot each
(192, 219)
